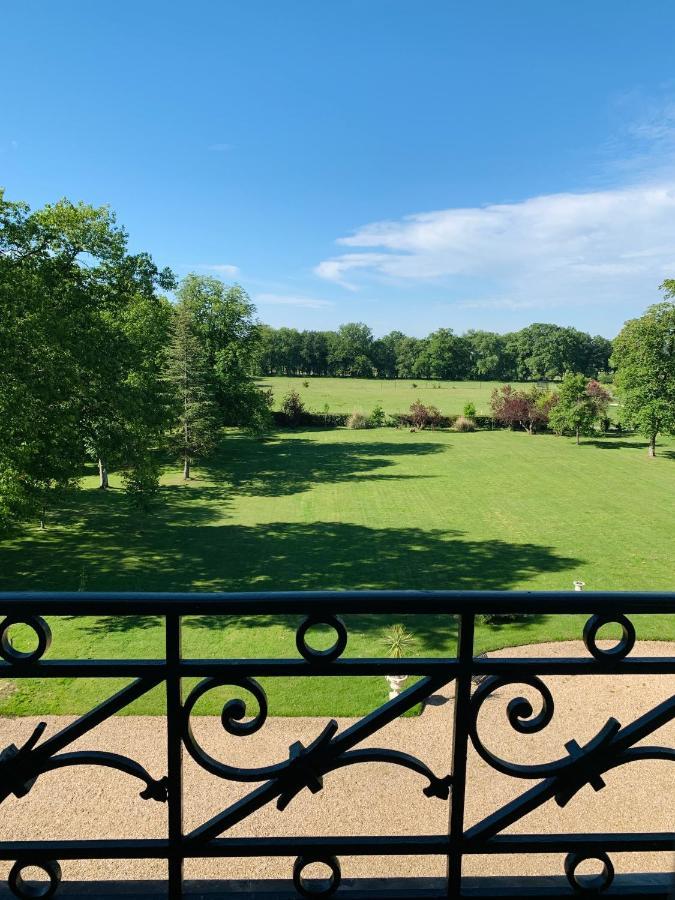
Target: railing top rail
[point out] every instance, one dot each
(327, 602)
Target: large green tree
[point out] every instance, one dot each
(66, 283)
(644, 359)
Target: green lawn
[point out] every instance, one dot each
(352, 509)
(344, 395)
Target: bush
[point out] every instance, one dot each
(141, 484)
(377, 417)
(419, 414)
(464, 423)
(469, 410)
(305, 383)
(293, 408)
(357, 420)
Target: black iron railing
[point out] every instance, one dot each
(306, 767)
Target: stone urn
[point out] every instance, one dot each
(395, 683)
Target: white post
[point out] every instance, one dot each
(579, 585)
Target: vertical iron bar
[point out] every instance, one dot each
(174, 755)
(459, 751)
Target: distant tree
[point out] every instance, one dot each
(189, 374)
(644, 359)
(528, 409)
(579, 404)
(488, 356)
(447, 355)
(224, 322)
(469, 410)
(351, 353)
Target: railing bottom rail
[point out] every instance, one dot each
(638, 886)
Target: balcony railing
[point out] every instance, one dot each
(475, 679)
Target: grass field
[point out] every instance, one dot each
(352, 509)
(344, 395)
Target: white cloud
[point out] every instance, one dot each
(266, 299)
(574, 247)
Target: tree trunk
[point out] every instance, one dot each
(652, 446)
(102, 475)
(43, 516)
(578, 441)
(186, 467)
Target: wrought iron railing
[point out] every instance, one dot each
(615, 744)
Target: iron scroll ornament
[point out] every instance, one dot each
(306, 765)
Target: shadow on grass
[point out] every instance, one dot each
(189, 544)
(276, 468)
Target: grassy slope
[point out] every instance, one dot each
(348, 394)
(342, 509)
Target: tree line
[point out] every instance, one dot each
(99, 366)
(538, 352)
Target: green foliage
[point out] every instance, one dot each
(191, 377)
(397, 641)
(469, 410)
(538, 352)
(377, 417)
(293, 408)
(141, 483)
(78, 320)
(578, 405)
(644, 357)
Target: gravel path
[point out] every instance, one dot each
(366, 798)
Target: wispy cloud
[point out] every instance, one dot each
(218, 268)
(266, 299)
(577, 246)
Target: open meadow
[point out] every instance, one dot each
(344, 395)
(340, 509)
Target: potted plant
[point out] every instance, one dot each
(397, 640)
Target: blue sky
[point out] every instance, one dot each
(408, 164)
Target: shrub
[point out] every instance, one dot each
(434, 416)
(357, 420)
(377, 417)
(414, 386)
(293, 408)
(469, 410)
(419, 414)
(397, 640)
(464, 423)
(305, 383)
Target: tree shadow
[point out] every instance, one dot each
(609, 443)
(279, 467)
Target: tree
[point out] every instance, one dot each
(529, 409)
(225, 325)
(189, 374)
(447, 355)
(644, 359)
(578, 405)
(67, 284)
(352, 351)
